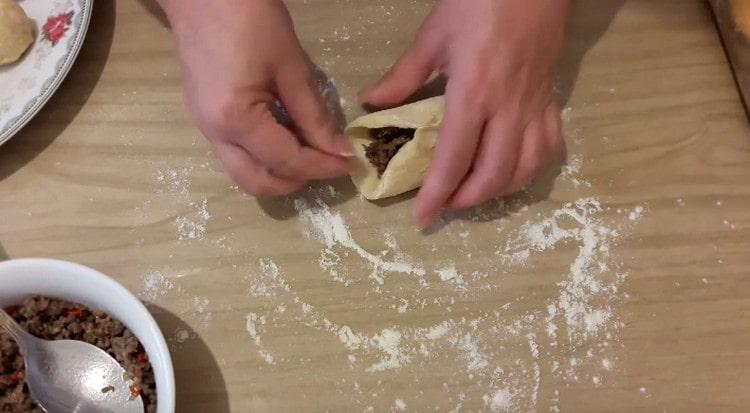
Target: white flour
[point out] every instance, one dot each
(451, 275)
(330, 228)
(581, 315)
(499, 401)
(252, 322)
(174, 181)
(157, 287)
(193, 226)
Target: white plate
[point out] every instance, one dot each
(25, 86)
(64, 280)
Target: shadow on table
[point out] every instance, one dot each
(72, 95)
(200, 384)
(588, 22)
(153, 8)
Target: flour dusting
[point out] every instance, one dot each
(329, 227)
(499, 401)
(158, 287)
(580, 315)
(193, 226)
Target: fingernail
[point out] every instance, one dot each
(425, 220)
(344, 147)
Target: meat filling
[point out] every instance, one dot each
(386, 142)
(59, 320)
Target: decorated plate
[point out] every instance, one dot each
(25, 86)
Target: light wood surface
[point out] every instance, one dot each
(111, 168)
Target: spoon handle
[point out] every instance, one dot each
(8, 324)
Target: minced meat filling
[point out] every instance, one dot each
(52, 319)
(385, 143)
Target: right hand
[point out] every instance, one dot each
(237, 58)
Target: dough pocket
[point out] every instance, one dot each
(393, 148)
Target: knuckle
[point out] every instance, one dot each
(285, 166)
(226, 113)
(476, 92)
(320, 121)
(214, 116)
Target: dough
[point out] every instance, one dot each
(16, 32)
(407, 168)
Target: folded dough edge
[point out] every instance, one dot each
(407, 168)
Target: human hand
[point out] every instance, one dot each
(501, 124)
(237, 58)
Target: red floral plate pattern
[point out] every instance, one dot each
(27, 85)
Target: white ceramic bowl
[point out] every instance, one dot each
(64, 280)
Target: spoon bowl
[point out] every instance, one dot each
(72, 376)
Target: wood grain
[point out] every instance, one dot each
(106, 170)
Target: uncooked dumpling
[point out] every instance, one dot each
(16, 32)
(393, 148)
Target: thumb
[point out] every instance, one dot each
(407, 75)
(316, 125)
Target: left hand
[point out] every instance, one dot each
(502, 124)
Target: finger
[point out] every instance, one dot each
(275, 148)
(456, 146)
(250, 175)
(315, 123)
(535, 155)
(407, 75)
(554, 129)
(495, 163)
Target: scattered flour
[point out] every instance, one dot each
(636, 213)
(193, 227)
(451, 275)
(181, 335)
(252, 323)
(329, 227)
(267, 282)
(572, 172)
(155, 285)
(389, 343)
(175, 181)
(499, 401)
(581, 314)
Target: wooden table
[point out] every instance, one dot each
(637, 298)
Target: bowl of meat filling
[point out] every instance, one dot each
(58, 300)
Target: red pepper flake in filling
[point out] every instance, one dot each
(141, 358)
(13, 310)
(74, 312)
(16, 377)
(134, 392)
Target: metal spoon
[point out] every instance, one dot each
(72, 376)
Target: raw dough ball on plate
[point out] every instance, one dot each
(16, 32)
